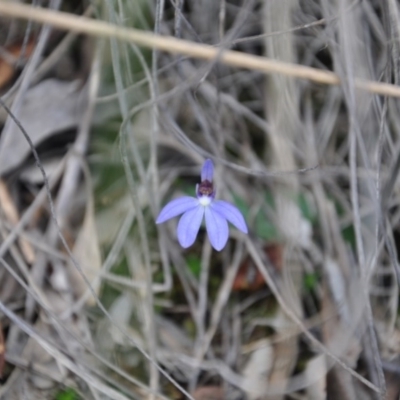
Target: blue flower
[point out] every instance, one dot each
(217, 213)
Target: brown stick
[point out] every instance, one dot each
(173, 45)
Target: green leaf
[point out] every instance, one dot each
(67, 394)
(194, 264)
(306, 210)
(269, 199)
(310, 281)
(263, 226)
(241, 205)
(265, 229)
(349, 236)
(187, 188)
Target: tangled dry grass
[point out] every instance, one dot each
(108, 110)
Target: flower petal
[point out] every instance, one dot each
(189, 225)
(230, 213)
(207, 172)
(176, 207)
(217, 229)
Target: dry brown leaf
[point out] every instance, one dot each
(316, 368)
(12, 215)
(285, 356)
(393, 386)
(209, 393)
(7, 69)
(249, 277)
(59, 105)
(87, 254)
(121, 312)
(257, 370)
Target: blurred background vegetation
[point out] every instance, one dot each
(98, 302)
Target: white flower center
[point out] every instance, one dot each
(205, 200)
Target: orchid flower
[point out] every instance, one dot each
(217, 213)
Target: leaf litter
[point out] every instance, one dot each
(306, 307)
